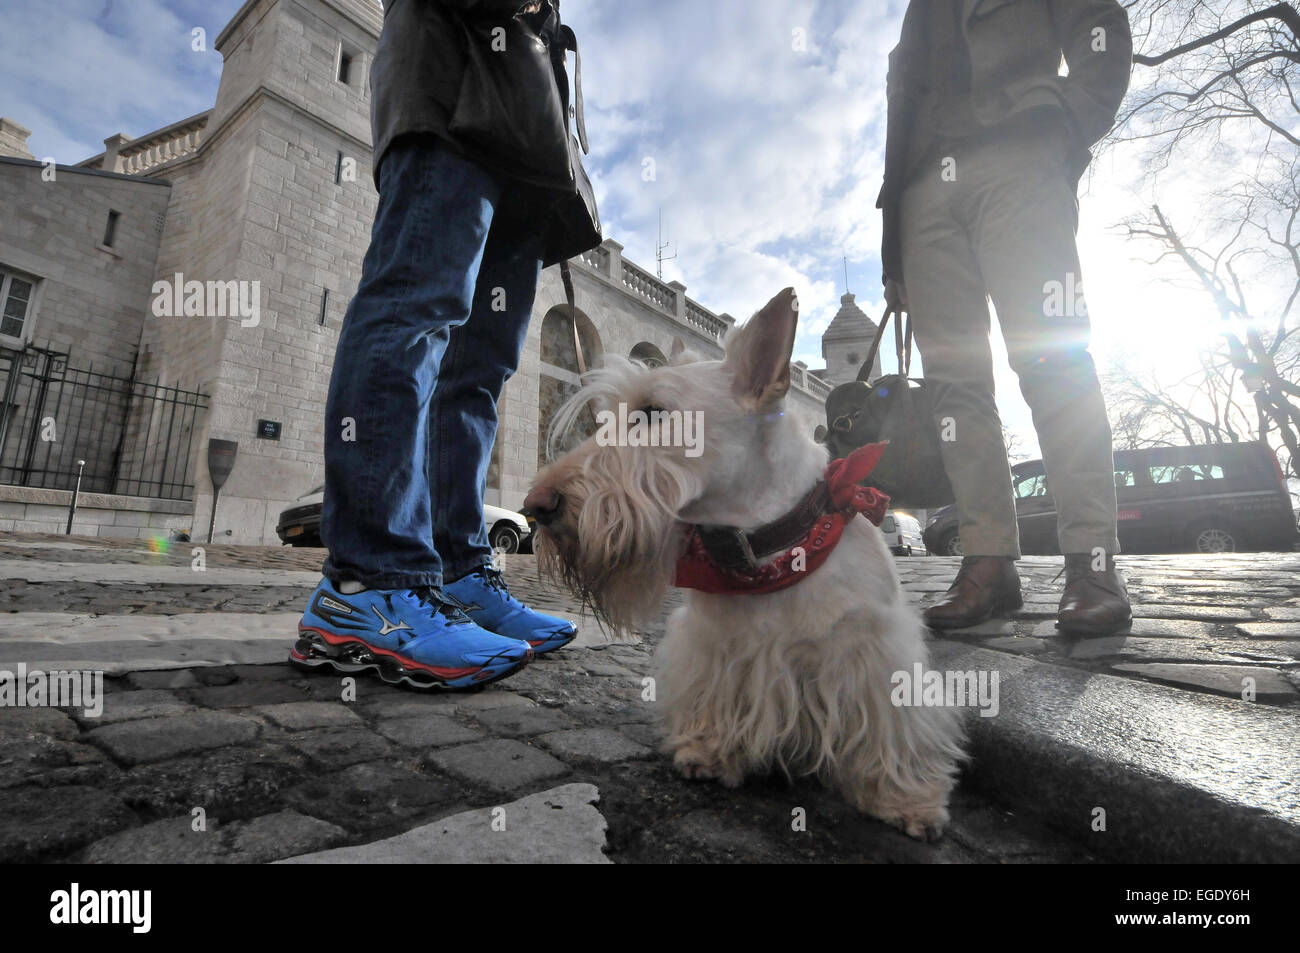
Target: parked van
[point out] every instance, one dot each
(902, 534)
(1218, 498)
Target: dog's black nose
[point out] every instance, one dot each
(543, 504)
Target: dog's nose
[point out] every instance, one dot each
(543, 504)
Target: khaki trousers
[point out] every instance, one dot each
(995, 217)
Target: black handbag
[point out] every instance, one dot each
(898, 409)
(514, 98)
(510, 107)
(574, 223)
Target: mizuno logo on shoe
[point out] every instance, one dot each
(388, 626)
(329, 603)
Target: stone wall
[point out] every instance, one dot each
(28, 510)
(91, 299)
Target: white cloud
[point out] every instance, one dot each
(78, 71)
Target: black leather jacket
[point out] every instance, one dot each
(492, 83)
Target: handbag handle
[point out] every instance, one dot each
(902, 346)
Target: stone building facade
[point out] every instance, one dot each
(271, 189)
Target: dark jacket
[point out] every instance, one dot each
(492, 84)
(1015, 49)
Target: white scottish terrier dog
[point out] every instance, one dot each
(769, 664)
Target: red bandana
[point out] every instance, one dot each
(696, 569)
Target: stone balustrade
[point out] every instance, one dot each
(128, 156)
(606, 261)
(705, 320)
(142, 155)
(647, 286)
(596, 258)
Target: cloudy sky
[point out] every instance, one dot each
(764, 120)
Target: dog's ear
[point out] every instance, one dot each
(758, 353)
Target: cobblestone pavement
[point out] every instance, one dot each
(277, 765)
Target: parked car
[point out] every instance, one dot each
(1217, 498)
(300, 524)
(902, 533)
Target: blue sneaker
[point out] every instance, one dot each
(405, 635)
(484, 597)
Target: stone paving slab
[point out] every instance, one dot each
(36, 823)
(157, 739)
(428, 731)
(500, 764)
(557, 826)
(34, 571)
(175, 841)
(1231, 680)
(133, 643)
(594, 744)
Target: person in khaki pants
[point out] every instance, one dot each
(985, 147)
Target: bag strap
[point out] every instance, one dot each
(566, 277)
(864, 372)
(570, 41)
(902, 346)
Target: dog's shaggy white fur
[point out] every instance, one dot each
(796, 680)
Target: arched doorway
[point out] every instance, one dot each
(559, 376)
(648, 354)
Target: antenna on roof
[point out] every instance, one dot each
(661, 246)
(846, 274)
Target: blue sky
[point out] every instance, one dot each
(764, 120)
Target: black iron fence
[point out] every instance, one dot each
(135, 437)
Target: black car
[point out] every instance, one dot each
(1217, 498)
(299, 524)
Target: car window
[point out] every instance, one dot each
(1186, 473)
(1034, 485)
(1124, 478)
(887, 525)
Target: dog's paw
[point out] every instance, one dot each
(701, 763)
(923, 824)
(697, 763)
(924, 830)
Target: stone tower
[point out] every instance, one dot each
(273, 186)
(846, 343)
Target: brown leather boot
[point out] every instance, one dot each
(1095, 602)
(986, 586)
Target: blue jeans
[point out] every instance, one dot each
(430, 338)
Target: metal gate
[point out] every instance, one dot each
(136, 437)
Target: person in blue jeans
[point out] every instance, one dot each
(476, 195)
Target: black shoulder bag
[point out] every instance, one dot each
(898, 409)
